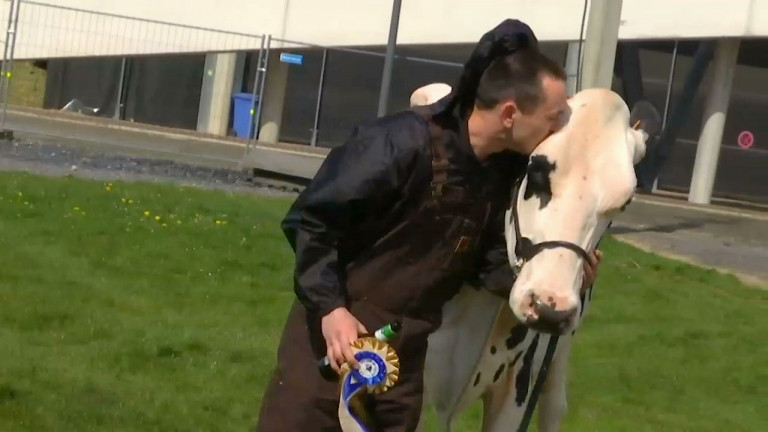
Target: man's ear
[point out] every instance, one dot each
(509, 112)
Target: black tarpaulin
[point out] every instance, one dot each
(162, 91)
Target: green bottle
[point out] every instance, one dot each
(383, 334)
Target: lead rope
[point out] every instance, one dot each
(551, 346)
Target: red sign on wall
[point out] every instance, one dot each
(746, 139)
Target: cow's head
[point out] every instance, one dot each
(577, 180)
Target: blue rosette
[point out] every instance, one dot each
(377, 372)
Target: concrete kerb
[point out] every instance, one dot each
(712, 209)
(295, 150)
(154, 129)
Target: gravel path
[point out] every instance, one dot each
(52, 159)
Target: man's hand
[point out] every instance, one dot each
(340, 329)
(590, 269)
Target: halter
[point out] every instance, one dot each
(525, 249)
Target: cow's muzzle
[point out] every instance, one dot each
(547, 319)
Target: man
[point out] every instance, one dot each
(402, 215)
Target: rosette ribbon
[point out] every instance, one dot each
(379, 368)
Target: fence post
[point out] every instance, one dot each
(6, 46)
(386, 77)
(261, 72)
(263, 69)
(670, 82)
(315, 131)
(253, 96)
(120, 87)
(10, 44)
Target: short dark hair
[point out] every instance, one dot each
(517, 76)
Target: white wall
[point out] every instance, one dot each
(48, 32)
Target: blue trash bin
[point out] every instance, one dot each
(243, 115)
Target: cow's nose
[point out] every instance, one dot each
(548, 319)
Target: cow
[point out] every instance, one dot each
(487, 348)
(429, 94)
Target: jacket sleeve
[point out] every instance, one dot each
(356, 180)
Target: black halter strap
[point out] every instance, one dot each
(525, 249)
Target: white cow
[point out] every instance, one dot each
(577, 180)
(429, 94)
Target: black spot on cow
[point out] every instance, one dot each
(514, 360)
(539, 182)
(523, 379)
(518, 335)
(477, 380)
(493, 350)
(498, 373)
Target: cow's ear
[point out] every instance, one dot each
(645, 122)
(636, 141)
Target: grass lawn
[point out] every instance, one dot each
(28, 85)
(143, 307)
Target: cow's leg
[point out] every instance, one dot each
(553, 403)
(504, 403)
(455, 349)
(500, 412)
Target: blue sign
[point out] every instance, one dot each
(291, 58)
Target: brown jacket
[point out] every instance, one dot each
(374, 182)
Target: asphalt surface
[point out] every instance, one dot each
(61, 148)
(729, 239)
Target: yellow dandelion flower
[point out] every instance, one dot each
(146, 213)
(76, 209)
(218, 222)
(157, 218)
(130, 201)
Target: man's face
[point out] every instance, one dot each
(526, 130)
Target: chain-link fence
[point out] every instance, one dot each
(334, 89)
(250, 86)
(258, 87)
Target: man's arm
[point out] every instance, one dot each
(354, 183)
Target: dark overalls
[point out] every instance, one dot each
(408, 274)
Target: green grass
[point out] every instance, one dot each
(27, 85)
(112, 321)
